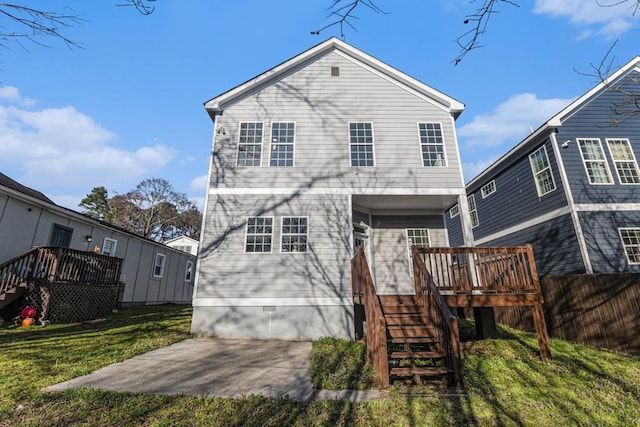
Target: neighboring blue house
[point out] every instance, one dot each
(571, 188)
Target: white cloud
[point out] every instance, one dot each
(510, 121)
(471, 170)
(64, 147)
(608, 18)
(199, 183)
(12, 94)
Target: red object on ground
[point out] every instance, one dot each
(28, 312)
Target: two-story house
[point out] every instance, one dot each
(327, 151)
(571, 188)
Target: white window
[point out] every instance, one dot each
(488, 189)
(432, 144)
(250, 144)
(158, 266)
(454, 211)
(109, 247)
(295, 234)
(631, 242)
(361, 143)
(542, 171)
(416, 237)
(594, 161)
(625, 161)
(188, 271)
(282, 139)
(473, 213)
(259, 234)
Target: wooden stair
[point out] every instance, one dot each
(415, 353)
(12, 294)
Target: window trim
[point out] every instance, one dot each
(624, 247)
(457, 208)
(246, 234)
(159, 256)
(536, 174)
(473, 213)
(293, 144)
(615, 162)
(282, 234)
(188, 271)
(604, 160)
(238, 144)
(444, 145)
(373, 144)
(104, 245)
(492, 189)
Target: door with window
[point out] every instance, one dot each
(60, 236)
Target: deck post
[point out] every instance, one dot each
(541, 332)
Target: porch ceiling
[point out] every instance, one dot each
(420, 203)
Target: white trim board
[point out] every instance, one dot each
(605, 207)
(525, 224)
(407, 191)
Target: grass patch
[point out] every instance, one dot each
(340, 364)
(506, 383)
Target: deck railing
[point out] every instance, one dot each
(376, 325)
(63, 265)
(445, 323)
(501, 270)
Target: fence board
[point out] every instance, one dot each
(600, 310)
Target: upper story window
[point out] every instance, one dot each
(473, 212)
(454, 211)
(431, 144)
(294, 234)
(594, 161)
(259, 234)
(109, 246)
(361, 143)
(542, 171)
(488, 189)
(158, 265)
(250, 144)
(625, 161)
(282, 139)
(631, 242)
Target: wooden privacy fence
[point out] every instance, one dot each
(600, 310)
(376, 331)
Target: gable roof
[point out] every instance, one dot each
(558, 119)
(213, 106)
(186, 238)
(15, 185)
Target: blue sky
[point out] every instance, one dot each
(128, 104)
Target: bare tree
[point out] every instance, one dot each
(20, 22)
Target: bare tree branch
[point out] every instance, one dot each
(480, 19)
(634, 6)
(26, 23)
(142, 6)
(342, 11)
(628, 106)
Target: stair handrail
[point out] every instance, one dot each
(376, 324)
(437, 310)
(17, 270)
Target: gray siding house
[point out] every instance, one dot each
(326, 151)
(571, 188)
(152, 272)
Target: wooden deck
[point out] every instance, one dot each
(445, 278)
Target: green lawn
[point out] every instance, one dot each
(506, 382)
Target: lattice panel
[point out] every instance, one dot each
(68, 302)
